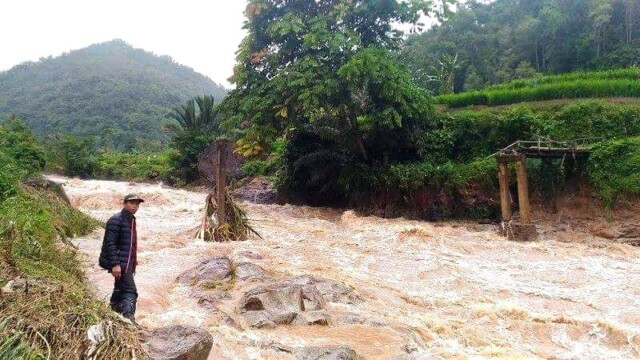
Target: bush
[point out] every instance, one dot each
(20, 157)
(10, 175)
(482, 132)
(71, 155)
(427, 190)
(614, 168)
(133, 166)
(184, 160)
(19, 144)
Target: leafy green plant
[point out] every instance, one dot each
(614, 168)
(134, 166)
(71, 155)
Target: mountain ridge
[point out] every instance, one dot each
(111, 91)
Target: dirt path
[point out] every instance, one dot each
(429, 290)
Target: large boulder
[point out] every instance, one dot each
(216, 269)
(325, 353)
(258, 190)
(179, 343)
(332, 291)
(247, 271)
(210, 281)
(282, 303)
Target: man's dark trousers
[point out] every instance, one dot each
(124, 297)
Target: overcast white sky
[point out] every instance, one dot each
(201, 34)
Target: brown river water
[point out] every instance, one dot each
(431, 291)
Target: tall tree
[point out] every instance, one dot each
(494, 38)
(287, 71)
(325, 67)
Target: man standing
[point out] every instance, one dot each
(119, 256)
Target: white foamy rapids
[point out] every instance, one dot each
(430, 291)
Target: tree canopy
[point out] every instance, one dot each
(508, 39)
(302, 62)
(323, 71)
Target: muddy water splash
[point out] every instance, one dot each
(429, 290)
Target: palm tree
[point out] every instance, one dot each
(198, 114)
(196, 126)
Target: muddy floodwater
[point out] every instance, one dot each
(427, 290)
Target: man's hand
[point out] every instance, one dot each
(116, 271)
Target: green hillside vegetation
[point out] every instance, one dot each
(51, 318)
(632, 73)
(486, 43)
(356, 121)
(110, 91)
(611, 83)
(464, 183)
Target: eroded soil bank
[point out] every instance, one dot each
(423, 290)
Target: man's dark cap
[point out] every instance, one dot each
(132, 197)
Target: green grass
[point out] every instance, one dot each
(614, 83)
(614, 74)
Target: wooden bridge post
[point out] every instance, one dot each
(505, 199)
(221, 185)
(523, 189)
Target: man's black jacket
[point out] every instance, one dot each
(117, 245)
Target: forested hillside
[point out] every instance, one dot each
(503, 40)
(110, 90)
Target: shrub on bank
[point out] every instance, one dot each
(614, 168)
(133, 166)
(428, 191)
(483, 132)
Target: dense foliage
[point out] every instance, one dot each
(320, 75)
(71, 155)
(112, 91)
(20, 156)
(134, 166)
(494, 42)
(465, 184)
(613, 83)
(482, 132)
(614, 168)
(197, 125)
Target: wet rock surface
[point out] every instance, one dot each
(258, 191)
(179, 343)
(247, 271)
(215, 269)
(325, 353)
(627, 233)
(318, 352)
(281, 304)
(331, 291)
